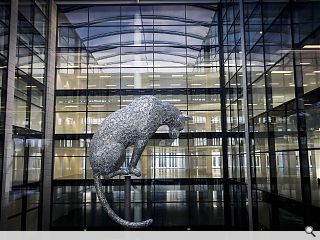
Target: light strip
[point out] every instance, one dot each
(281, 72)
(71, 106)
(171, 100)
(305, 63)
(105, 76)
(311, 46)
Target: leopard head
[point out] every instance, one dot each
(176, 126)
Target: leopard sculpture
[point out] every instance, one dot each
(132, 125)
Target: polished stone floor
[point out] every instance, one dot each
(202, 206)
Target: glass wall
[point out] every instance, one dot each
(28, 124)
(109, 55)
(281, 49)
(105, 61)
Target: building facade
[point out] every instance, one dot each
(246, 72)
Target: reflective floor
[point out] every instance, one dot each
(204, 205)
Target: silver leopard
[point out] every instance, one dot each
(132, 125)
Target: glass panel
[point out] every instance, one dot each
(288, 174)
(36, 115)
(70, 122)
(20, 113)
(69, 167)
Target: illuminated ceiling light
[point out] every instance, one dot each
(92, 85)
(171, 100)
(200, 75)
(310, 74)
(316, 71)
(305, 63)
(28, 86)
(111, 85)
(196, 84)
(128, 76)
(97, 106)
(281, 72)
(82, 77)
(275, 83)
(288, 74)
(38, 77)
(130, 85)
(105, 76)
(311, 46)
(217, 84)
(177, 75)
(175, 84)
(71, 106)
(156, 85)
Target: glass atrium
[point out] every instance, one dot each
(247, 73)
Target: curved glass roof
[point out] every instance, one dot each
(146, 35)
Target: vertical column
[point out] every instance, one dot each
(46, 186)
(226, 190)
(9, 111)
(246, 113)
(302, 132)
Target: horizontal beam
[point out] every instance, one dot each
(111, 2)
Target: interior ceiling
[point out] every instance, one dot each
(163, 39)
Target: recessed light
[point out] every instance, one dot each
(177, 75)
(281, 72)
